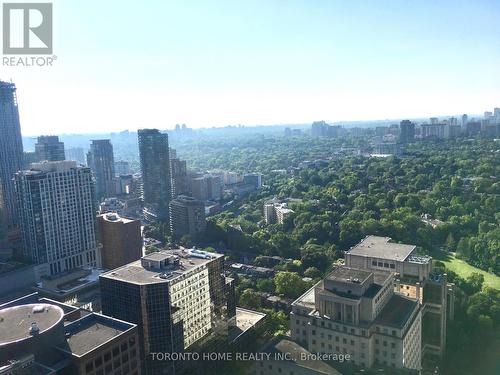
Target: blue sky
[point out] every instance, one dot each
(130, 64)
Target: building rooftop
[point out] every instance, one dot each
(113, 217)
(90, 332)
(69, 282)
(308, 298)
(396, 312)
(52, 166)
(381, 247)
(19, 322)
(284, 345)
(138, 273)
(245, 319)
(349, 275)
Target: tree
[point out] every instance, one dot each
(266, 285)
(249, 299)
(312, 272)
(290, 284)
(474, 283)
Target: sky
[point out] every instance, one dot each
(130, 64)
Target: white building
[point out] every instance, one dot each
(57, 216)
(276, 212)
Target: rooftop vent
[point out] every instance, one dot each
(34, 330)
(38, 309)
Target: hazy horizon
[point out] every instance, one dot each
(219, 63)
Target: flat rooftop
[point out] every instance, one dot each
(90, 332)
(349, 275)
(137, 273)
(245, 319)
(113, 217)
(382, 248)
(396, 312)
(296, 353)
(16, 322)
(308, 299)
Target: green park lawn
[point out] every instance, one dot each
(464, 269)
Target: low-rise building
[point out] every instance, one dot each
(414, 278)
(355, 311)
(40, 336)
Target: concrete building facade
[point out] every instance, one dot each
(57, 216)
(355, 311)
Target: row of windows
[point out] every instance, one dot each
(383, 264)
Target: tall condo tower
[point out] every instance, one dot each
(155, 168)
(11, 150)
(101, 161)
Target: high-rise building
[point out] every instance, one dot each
(465, 119)
(496, 115)
(198, 188)
(122, 167)
(101, 161)
(57, 216)
(11, 151)
(187, 217)
(254, 179)
(155, 168)
(121, 240)
(49, 148)
(214, 187)
(77, 154)
(178, 170)
(176, 297)
(406, 131)
(42, 336)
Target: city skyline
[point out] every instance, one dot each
(212, 65)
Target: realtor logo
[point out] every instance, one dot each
(27, 28)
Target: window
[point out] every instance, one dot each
(393, 332)
(89, 366)
(393, 266)
(393, 345)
